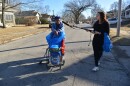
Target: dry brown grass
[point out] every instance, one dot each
(125, 28)
(19, 31)
(123, 40)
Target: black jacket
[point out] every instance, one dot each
(98, 40)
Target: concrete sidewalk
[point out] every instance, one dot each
(122, 55)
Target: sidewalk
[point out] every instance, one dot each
(123, 57)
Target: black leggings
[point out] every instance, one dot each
(98, 51)
(98, 47)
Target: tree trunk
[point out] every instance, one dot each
(77, 19)
(3, 13)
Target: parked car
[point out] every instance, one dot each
(113, 20)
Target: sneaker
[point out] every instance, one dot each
(95, 69)
(63, 58)
(99, 63)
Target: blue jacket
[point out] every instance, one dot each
(59, 28)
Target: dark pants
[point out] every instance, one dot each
(97, 48)
(98, 51)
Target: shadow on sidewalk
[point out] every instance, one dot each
(121, 41)
(29, 73)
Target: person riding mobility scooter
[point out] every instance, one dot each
(56, 40)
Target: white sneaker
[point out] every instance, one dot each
(95, 69)
(63, 58)
(99, 63)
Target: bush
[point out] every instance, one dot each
(44, 21)
(27, 21)
(30, 22)
(20, 20)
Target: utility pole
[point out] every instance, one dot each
(119, 18)
(53, 13)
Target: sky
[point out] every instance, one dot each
(58, 6)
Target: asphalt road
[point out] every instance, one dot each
(19, 64)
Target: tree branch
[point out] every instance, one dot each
(8, 7)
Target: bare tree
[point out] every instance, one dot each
(95, 9)
(82, 17)
(78, 6)
(46, 9)
(114, 7)
(68, 16)
(125, 4)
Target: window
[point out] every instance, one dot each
(127, 13)
(9, 17)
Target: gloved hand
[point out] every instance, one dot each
(56, 32)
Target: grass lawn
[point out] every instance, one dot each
(124, 39)
(17, 31)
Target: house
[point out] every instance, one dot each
(46, 17)
(111, 14)
(123, 14)
(9, 16)
(127, 12)
(29, 15)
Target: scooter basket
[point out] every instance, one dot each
(55, 57)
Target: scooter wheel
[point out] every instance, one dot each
(40, 62)
(63, 62)
(60, 67)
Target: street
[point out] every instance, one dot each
(19, 63)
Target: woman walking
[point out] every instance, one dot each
(101, 26)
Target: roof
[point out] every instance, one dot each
(111, 11)
(128, 7)
(28, 13)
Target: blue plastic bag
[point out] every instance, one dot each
(107, 46)
(52, 39)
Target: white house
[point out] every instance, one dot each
(127, 12)
(9, 16)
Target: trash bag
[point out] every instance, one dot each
(53, 39)
(107, 46)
